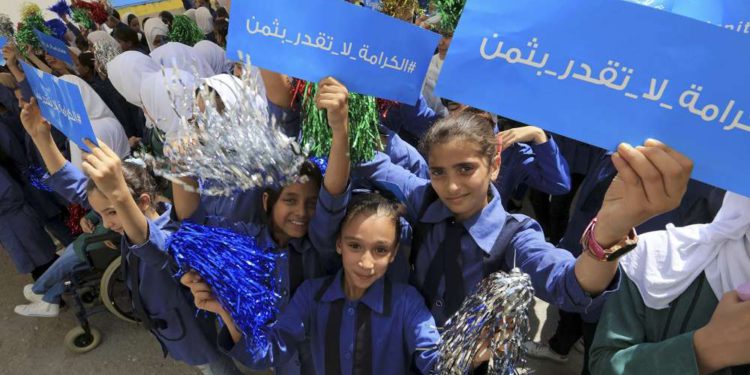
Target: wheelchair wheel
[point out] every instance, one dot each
(78, 341)
(115, 294)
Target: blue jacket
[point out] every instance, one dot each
(186, 336)
(551, 269)
(541, 167)
(403, 329)
(22, 233)
(411, 122)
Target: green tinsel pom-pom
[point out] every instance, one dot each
(81, 17)
(185, 31)
(25, 34)
(364, 137)
(450, 12)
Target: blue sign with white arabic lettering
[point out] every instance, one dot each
(61, 104)
(3, 41)
(732, 15)
(609, 71)
(369, 52)
(55, 47)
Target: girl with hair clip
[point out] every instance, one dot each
(124, 198)
(463, 234)
(299, 216)
(358, 321)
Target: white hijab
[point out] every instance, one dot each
(126, 72)
(666, 262)
(180, 56)
(204, 19)
(214, 55)
(229, 88)
(167, 96)
(190, 13)
(153, 27)
(103, 121)
(100, 36)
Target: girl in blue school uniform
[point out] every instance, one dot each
(462, 232)
(163, 306)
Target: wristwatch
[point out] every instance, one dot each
(588, 243)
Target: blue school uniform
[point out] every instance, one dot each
(409, 121)
(541, 167)
(385, 332)
(308, 257)
(169, 312)
(581, 157)
(492, 240)
(21, 233)
(403, 154)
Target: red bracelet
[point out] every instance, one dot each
(588, 243)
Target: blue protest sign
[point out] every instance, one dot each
(732, 15)
(609, 71)
(371, 53)
(55, 47)
(61, 104)
(3, 41)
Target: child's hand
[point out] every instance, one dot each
(32, 120)
(650, 181)
(10, 52)
(525, 134)
(723, 342)
(203, 297)
(103, 166)
(334, 98)
(86, 225)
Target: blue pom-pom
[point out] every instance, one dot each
(321, 162)
(58, 28)
(61, 8)
(241, 274)
(35, 176)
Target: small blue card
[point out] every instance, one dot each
(609, 71)
(61, 104)
(3, 41)
(55, 47)
(371, 53)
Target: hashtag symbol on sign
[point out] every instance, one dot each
(412, 66)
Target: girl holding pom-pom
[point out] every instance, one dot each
(119, 193)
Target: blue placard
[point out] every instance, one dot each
(3, 41)
(609, 71)
(61, 104)
(55, 47)
(732, 15)
(371, 53)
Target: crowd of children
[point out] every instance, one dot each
(378, 255)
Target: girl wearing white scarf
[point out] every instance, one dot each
(183, 57)
(678, 311)
(204, 19)
(126, 71)
(167, 97)
(156, 32)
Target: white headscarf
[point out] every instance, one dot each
(100, 36)
(103, 121)
(126, 72)
(153, 27)
(229, 89)
(168, 96)
(190, 13)
(180, 56)
(204, 19)
(214, 55)
(666, 262)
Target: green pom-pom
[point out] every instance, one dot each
(81, 17)
(450, 13)
(185, 31)
(25, 36)
(364, 137)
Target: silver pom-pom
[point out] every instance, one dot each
(103, 54)
(495, 318)
(230, 146)
(6, 26)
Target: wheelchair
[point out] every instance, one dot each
(97, 287)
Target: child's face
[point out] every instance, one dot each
(295, 207)
(367, 245)
(460, 175)
(102, 205)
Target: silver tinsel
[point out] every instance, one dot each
(104, 53)
(496, 317)
(6, 26)
(229, 150)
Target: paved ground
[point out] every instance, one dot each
(35, 345)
